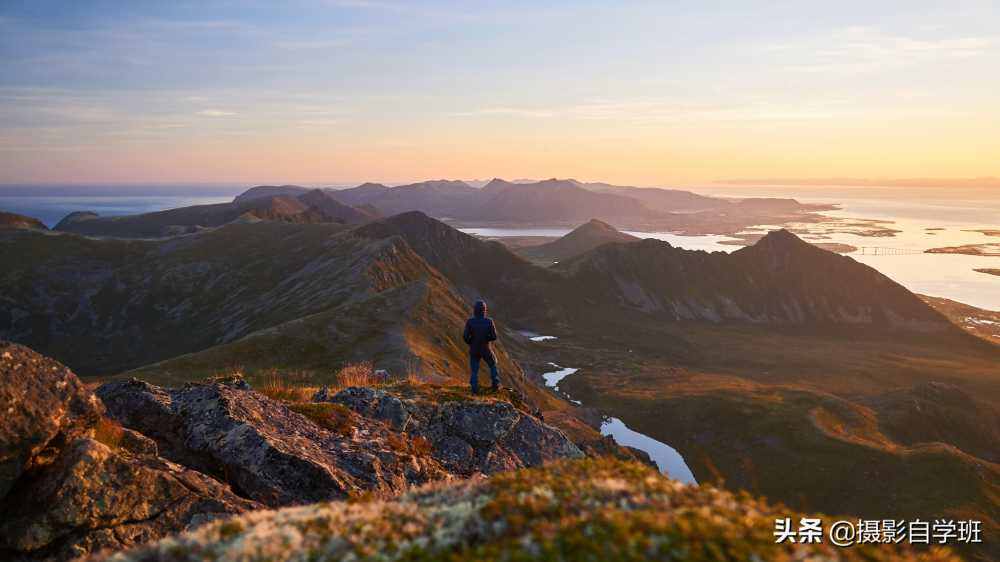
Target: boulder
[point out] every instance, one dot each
(64, 492)
(43, 405)
(264, 449)
(92, 497)
(371, 403)
(467, 436)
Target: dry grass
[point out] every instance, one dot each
(286, 387)
(335, 417)
(109, 432)
(412, 374)
(357, 374)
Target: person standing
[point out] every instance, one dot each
(479, 333)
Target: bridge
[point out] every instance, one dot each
(882, 251)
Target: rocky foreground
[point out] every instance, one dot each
(80, 473)
(219, 471)
(593, 509)
(69, 486)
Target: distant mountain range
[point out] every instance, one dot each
(498, 202)
(283, 204)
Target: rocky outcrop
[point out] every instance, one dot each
(353, 441)
(43, 406)
(264, 449)
(63, 493)
(92, 497)
(467, 436)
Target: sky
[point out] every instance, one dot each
(642, 93)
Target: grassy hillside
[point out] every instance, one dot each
(103, 306)
(569, 510)
(873, 426)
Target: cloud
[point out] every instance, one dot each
(215, 113)
(860, 49)
(319, 122)
(368, 4)
(509, 111)
(649, 111)
(314, 44)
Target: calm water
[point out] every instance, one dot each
(50, 209)
(667, 459)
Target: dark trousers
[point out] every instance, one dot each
(474, 359)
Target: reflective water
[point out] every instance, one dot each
(51, 209)
(667, 459)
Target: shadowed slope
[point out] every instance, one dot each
(582, 239)
(109, 305)
(476, 267)
(780, 280)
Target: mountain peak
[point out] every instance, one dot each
(782, 240)
(264, 191)
(596, 224)
(582, 239)
(497, 183)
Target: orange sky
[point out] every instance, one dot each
(639, 93)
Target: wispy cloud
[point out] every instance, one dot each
(378, 4)
(314, 44)
(860, 49)
(508, 111)
(216, 113)
(667, 111)
(319, 122)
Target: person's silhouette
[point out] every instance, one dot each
(479, 332)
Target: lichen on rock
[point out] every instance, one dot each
(591, 509)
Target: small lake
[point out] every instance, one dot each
(667, 459)
(536, 337)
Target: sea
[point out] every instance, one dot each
(51, 203)
(925, 218)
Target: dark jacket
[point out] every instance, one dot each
(479, 330)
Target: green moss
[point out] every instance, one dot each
(230, 528)
(592, 509)
(335, 417)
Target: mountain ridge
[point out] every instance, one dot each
(780, 279)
